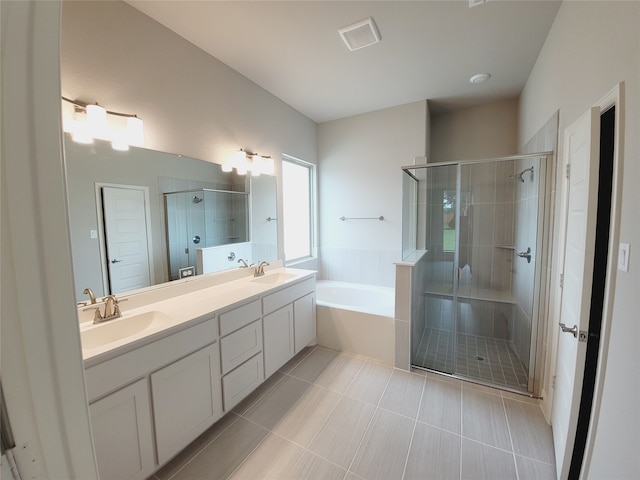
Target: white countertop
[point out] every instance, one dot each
(181, 310)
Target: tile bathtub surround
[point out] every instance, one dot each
(330, 415)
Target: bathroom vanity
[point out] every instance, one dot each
(182, 356)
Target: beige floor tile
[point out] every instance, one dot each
(434, 454)
(480, 388)
(370, 383)
(441, 405)
(304, 419)
(482, 462)
(520, 398)
(275, 405)
(312, 467)
(314, 364)
(352, 476)
(222, 456)
(530, 433)
(340, 436)
(258, 393)
(403, 393)
(383, 452)
(339, 375)
(196, 447)
(291, 364)
(484, 419)
(270, 460)
(529, 469)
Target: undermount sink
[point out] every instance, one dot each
(114, 330)
(273, 278)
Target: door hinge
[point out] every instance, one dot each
(553, 382)
(568, 172)
(562, 280)
(582, 336)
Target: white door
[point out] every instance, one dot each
(126, 238)
(581, 151)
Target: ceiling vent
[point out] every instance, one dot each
(360, 34)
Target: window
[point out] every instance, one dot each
(449, 217)
(298, 208)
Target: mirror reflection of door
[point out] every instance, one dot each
(125, 227)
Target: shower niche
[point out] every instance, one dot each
(476, 231)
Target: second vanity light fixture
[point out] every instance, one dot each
(86, 122)
(244, 162)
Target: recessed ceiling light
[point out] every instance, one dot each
(479, 78)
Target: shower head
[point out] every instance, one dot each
(518, 176)
(196, 199)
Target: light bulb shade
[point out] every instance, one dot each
(81, 132)
(120, 143)
(268, 166)
(97, 121)
(135, 131)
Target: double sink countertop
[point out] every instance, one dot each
(159, 312)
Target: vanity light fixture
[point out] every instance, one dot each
(86, 122)
(244, 162)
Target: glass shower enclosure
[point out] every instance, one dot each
(480, 228)
(203, 218)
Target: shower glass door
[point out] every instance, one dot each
(481, 225)
(436, 348)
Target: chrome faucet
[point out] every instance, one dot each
(244, 263)
(259, 271)
(111, 310)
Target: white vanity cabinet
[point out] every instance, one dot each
(278, 339)
(182, 372)
(304, 314)
(241, 352)
(121, 427)
(186, 400)
(288, 323)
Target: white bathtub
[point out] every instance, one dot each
(356, 318)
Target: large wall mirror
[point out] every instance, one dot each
(143, 217)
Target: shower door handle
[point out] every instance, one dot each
(566, 329)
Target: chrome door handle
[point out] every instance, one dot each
(573, 330)
(115, 261)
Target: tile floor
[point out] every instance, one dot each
(482, 358)
(329, 415)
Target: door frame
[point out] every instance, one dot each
(102, 238)
(616, 98)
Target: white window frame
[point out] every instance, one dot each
(312, 209)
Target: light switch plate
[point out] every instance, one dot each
(623, 257)
(93, 233)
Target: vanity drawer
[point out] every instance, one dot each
(240, 382)
(239, 317)
(279, 299)
(240, 346)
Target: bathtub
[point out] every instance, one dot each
(356, 318)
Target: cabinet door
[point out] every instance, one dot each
(278, 339)
(186, 400)
(121, 426)
(304, 314)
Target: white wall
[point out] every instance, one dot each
(484, 131)
(359, 175)
(590, 48)
(191, 103)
